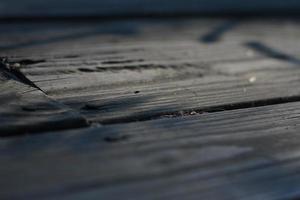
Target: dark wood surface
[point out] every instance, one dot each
(25, 109)
(249, 153)
(153, 109)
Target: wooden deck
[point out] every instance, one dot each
(151, 108)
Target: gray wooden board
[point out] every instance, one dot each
(122, 104)
(249, 153)
(16, 8)
(127, 70)
(25, 109)
(123, 71)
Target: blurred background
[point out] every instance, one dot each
(38, 8)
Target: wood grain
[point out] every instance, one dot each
(216, 103)
(25, 109)
(154, 68)
(249, 153)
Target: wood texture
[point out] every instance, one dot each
(25, 109)
(242, 154)
(216, 103)
(153, 71)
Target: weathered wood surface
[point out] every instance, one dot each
(24, 109)
(241, 154)
(13, 8)
(240, 78)
(149, 71)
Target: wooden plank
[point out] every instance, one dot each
(12, 8)
(25, 109)
(154, 72)
(147, 101)
(248, 153)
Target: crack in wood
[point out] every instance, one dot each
(139, 67)
(11, 69)
(211, 109)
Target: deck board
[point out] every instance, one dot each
(151, 70)
(178, 109)
(253, 151)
